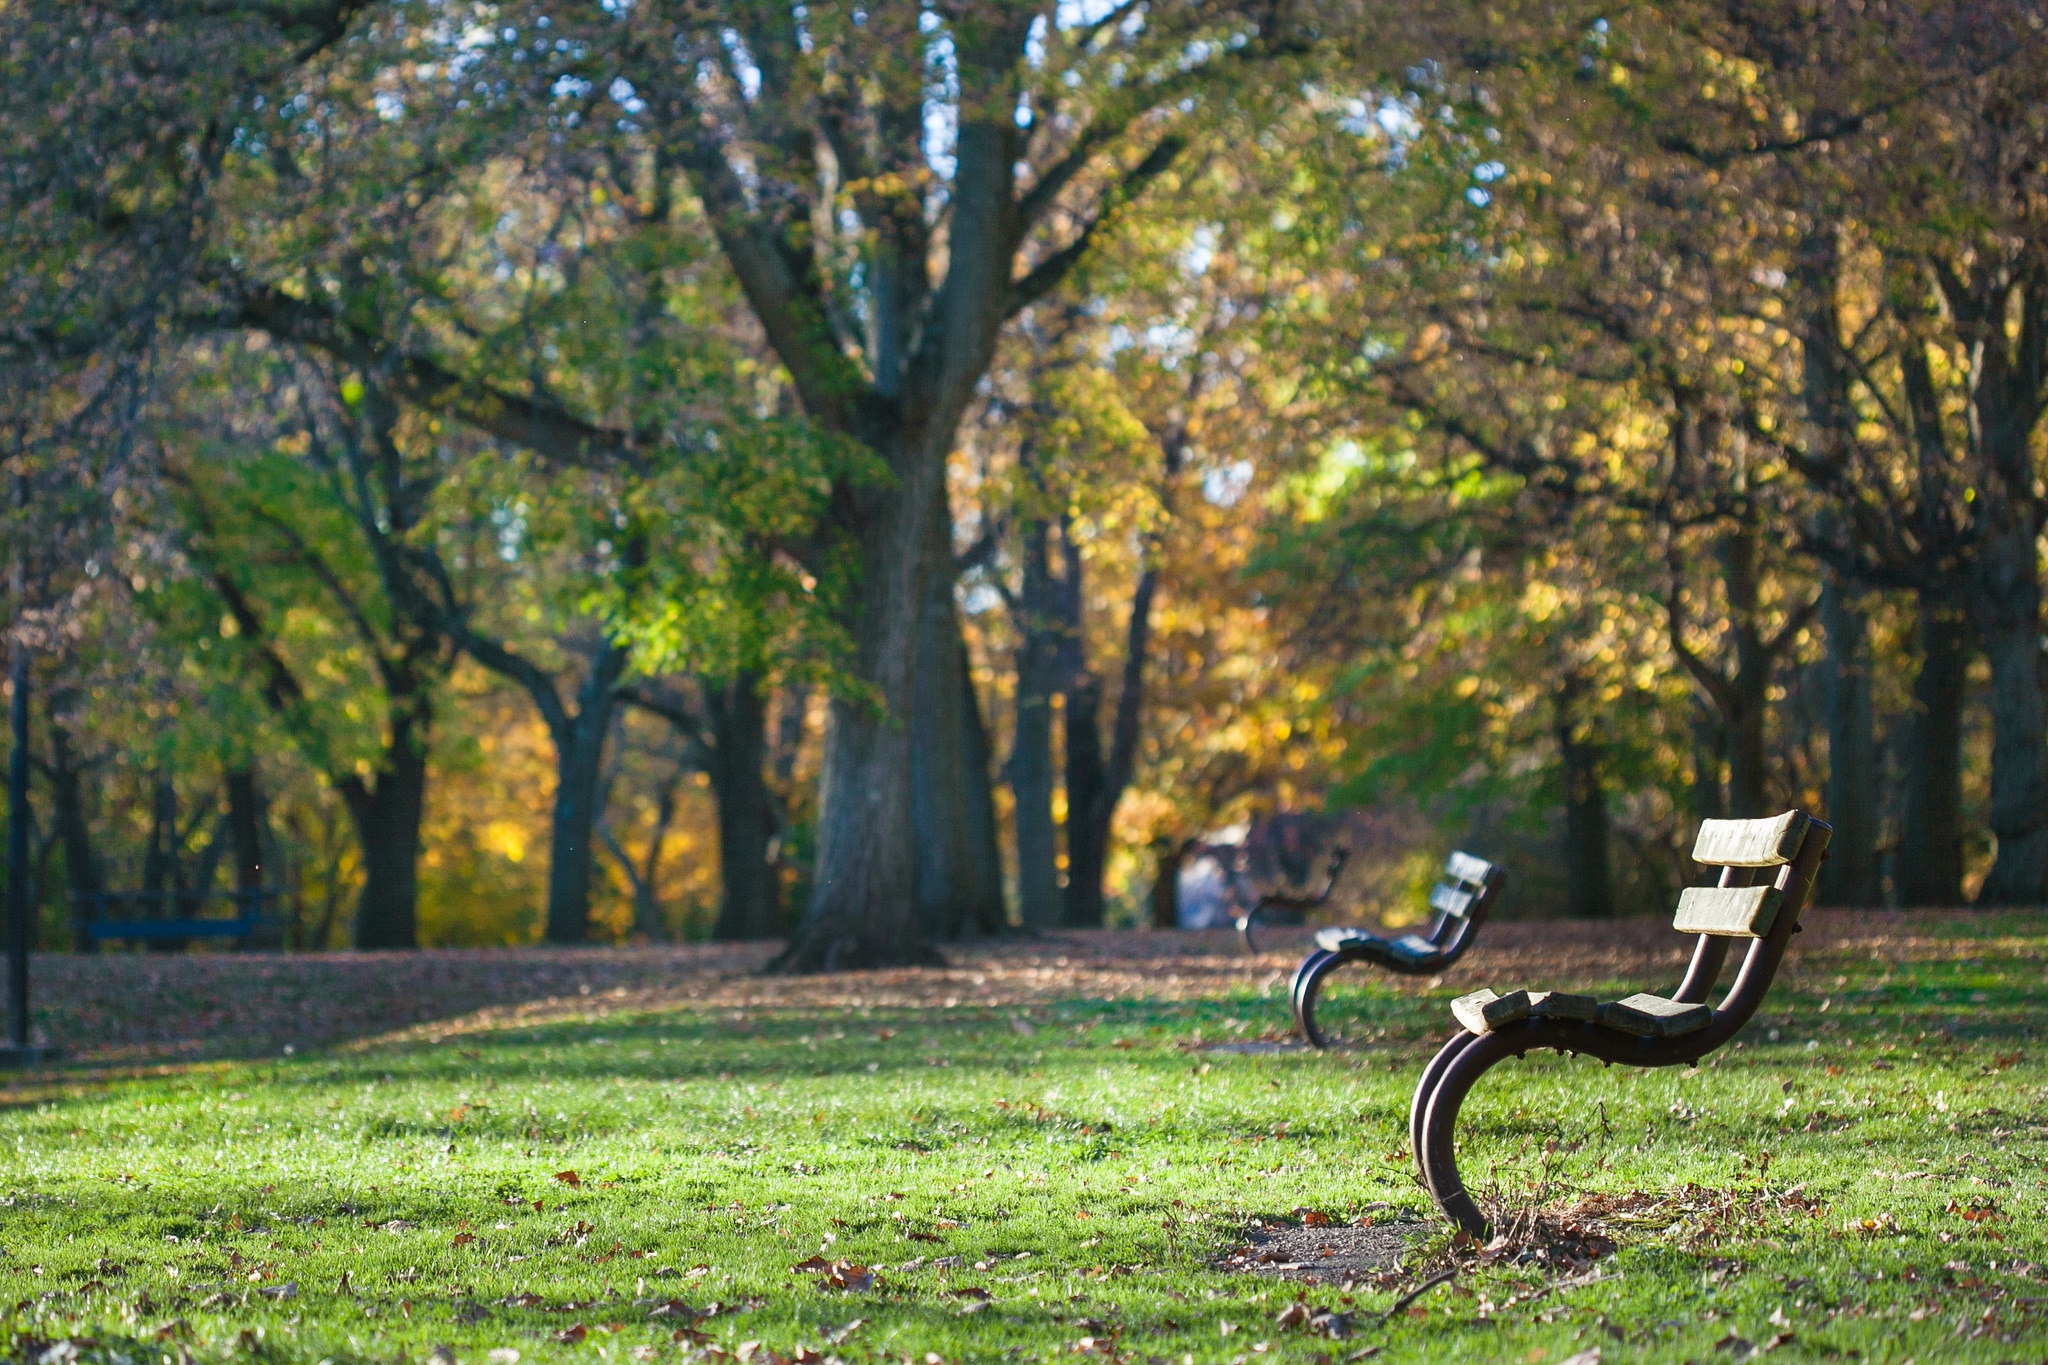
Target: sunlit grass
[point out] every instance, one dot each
(1866, 1162)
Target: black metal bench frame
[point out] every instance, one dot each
(1451, 1074)
(1462, 901)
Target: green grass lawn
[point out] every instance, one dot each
(1860, 1176)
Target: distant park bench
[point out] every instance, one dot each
(1331, 1017)
(97, 916)
(1768, 867)
(1275, 908)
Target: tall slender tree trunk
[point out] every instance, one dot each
(387, 810)
(1588, 859)
(2008, 608)
(1930, 858)
(1031, 754)
(74, 829)
(1748, 766)
(1087, 791)
(245, 828)
(1709, 753)
(1850, 875)
(579, 771)
(579, 739)
(736, 712)
(992, 914)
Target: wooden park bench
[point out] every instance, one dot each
(1280, 907)
(1330, 1017)
(1768, 867)
(179, 917)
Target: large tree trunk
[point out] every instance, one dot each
(1031, 760)
(74, 831)
(579, 781)
(736, 712)
(959, 865)
(1588, 860)
(1849, 877)
(1930, 858)
(2009, 609)
(863, 910)
(387, 810)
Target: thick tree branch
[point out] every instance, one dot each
(1046, 276)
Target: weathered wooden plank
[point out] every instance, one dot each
(1463, 867)
(1750, 843)
(1483, 1011)
(1730, 911)
(1563, 1005)
(1652, 1016)
(1452, 900)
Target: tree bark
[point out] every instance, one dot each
(1588, 860)
(1709, 752)
(1087, 793)
(1748, 766)
(1031, 760)
(579, 740)
(2008, 612)
(1930, 859)
(387, 810)
(245, 828)
(736, 713)
(2019, 761)
(952, 811)
(863, 910)
(1849, 877)
(992, 914)
(73, 827)
(1168, 856)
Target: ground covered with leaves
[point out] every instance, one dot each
(1096, 1145)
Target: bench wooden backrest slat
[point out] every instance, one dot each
(1452, 900)
(1463, 867)
(1750, 843)
(1729, 911)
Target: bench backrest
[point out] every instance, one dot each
(1767, 872)
(1746, 903)
(1461, 899)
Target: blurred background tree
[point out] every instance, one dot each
(874, 475)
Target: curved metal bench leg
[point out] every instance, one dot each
(1439, 1125)
(1425, 1088)
(1294, 988)
(1311, 980)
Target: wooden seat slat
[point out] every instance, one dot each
(1653, 1016)
(1750, 843)
(1730, 911)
